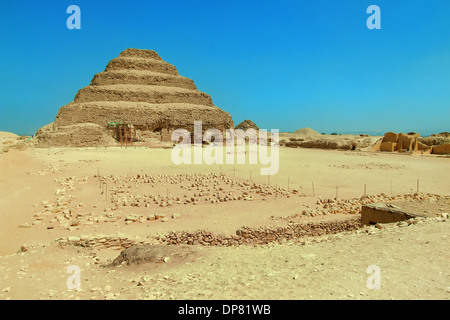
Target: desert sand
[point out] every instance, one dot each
(83, 207)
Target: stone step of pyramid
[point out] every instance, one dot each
(142, 77)
(138, 53)
(129, 63)
(142, 93)
(150, 116)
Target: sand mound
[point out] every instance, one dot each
(4, 135)
(306, 131)
(140, 89)
(11, 141)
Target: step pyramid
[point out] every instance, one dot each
(138, 88)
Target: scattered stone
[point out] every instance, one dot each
(73, 239)
(74, 223)
(25, 225)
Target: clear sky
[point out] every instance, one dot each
(283, 64)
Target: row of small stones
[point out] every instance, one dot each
(353, 206)
(199, 180)
(261, 235)
(164, 201)
(243, 236)
(47, 169)
(402, 197)
(117, 243)
(120, 197)
(195, 180)
(66, 220)
(382, 197)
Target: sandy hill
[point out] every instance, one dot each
(4, 134)
(138, 88)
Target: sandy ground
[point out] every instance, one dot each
(413, 260)
(413, 264)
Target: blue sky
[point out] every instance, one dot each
(282, 64)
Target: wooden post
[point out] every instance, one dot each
(313, 190)
(365, 189)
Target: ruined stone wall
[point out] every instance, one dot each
(401, 142)
(262, 235)
(441, 149)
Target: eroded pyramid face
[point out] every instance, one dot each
(139, 88)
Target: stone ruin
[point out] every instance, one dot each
(402, 142)
(138, 94)
(410, 142)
